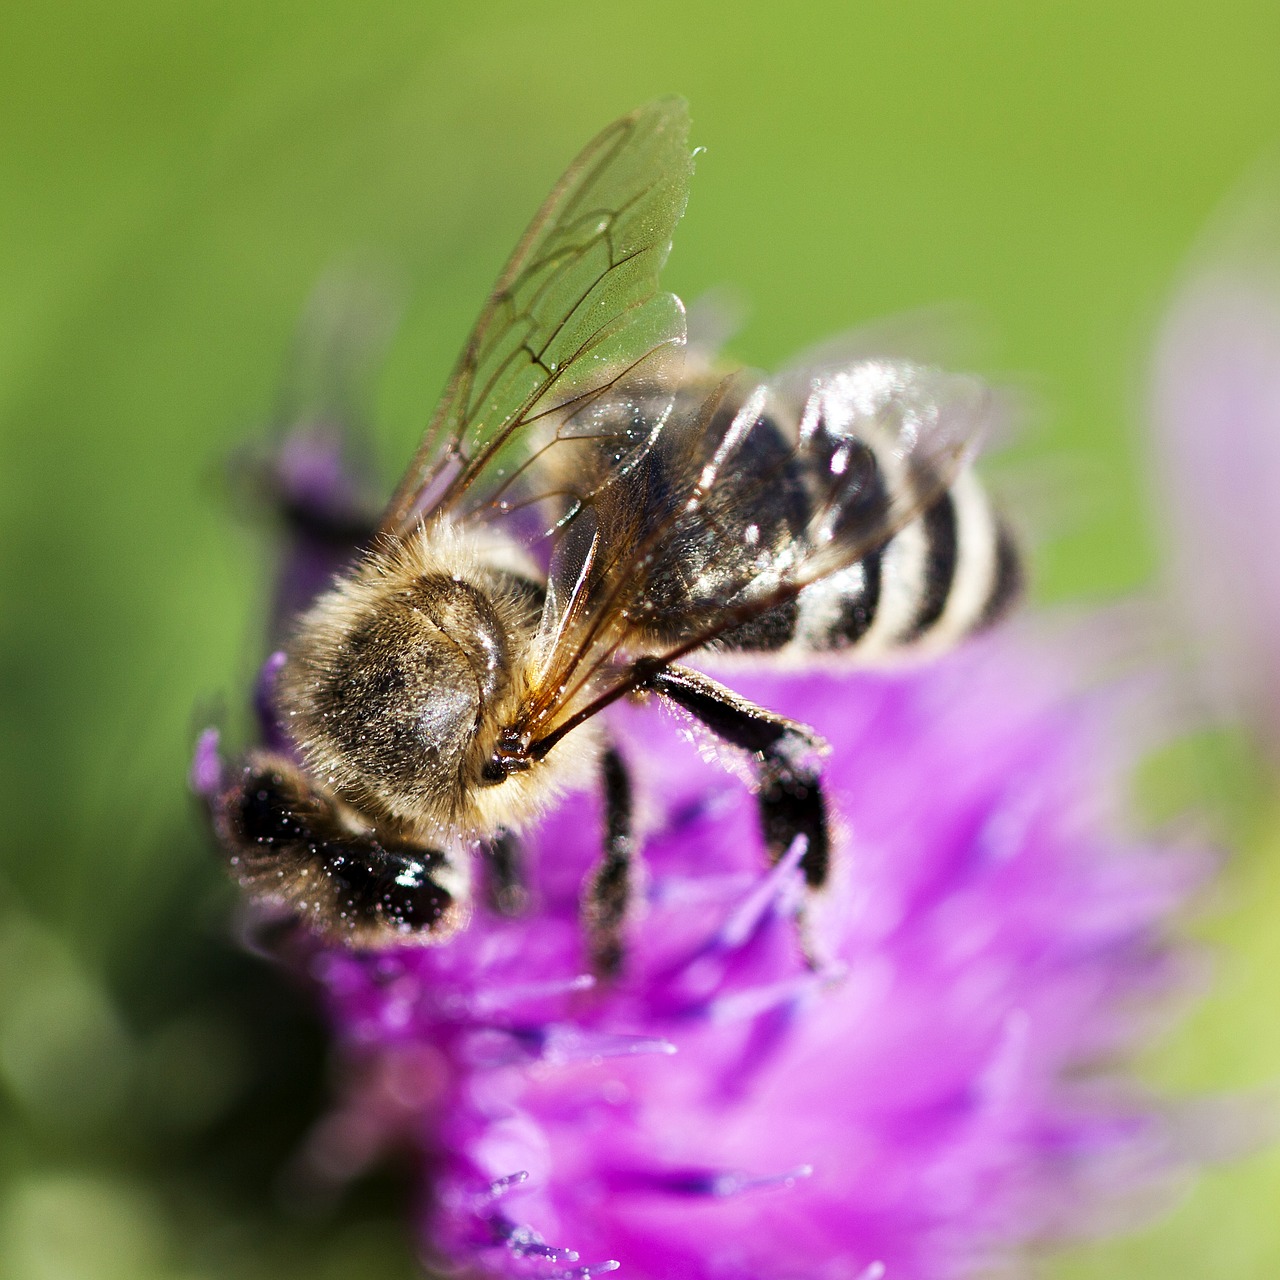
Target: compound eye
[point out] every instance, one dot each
(411, 901)
(380, 889)
(266, 813)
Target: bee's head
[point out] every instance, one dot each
(386, 686)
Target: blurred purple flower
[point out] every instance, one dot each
(926, 1102)
(1215, 417)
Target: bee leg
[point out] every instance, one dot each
(322, 520)
(790, 796)
(505, 886)
(610, 886)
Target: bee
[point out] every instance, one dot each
(592, 503)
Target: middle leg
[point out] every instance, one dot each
(610, 889)
(790, 796)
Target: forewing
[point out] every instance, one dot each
(576, 340)
(769, 486)
(879, 442)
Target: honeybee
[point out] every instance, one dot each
(592, 502)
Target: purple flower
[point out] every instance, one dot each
(1216, 430)
(921, 1102)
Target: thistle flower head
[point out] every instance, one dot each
(922, 1099)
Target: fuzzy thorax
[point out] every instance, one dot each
(401, 677)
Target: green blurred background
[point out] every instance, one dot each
(175, 178)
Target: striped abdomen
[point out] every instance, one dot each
(950, 572)
(783, 503)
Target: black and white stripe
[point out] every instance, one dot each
(950, 572)
(753, 487)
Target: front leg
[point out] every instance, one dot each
(610, 887)
(506, 890)
(790, 796)
(325, 512)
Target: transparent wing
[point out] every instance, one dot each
(755, 490)
(576, 343)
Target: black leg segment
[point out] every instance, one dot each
(505, 887)
(790, 797)
(610, 887)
